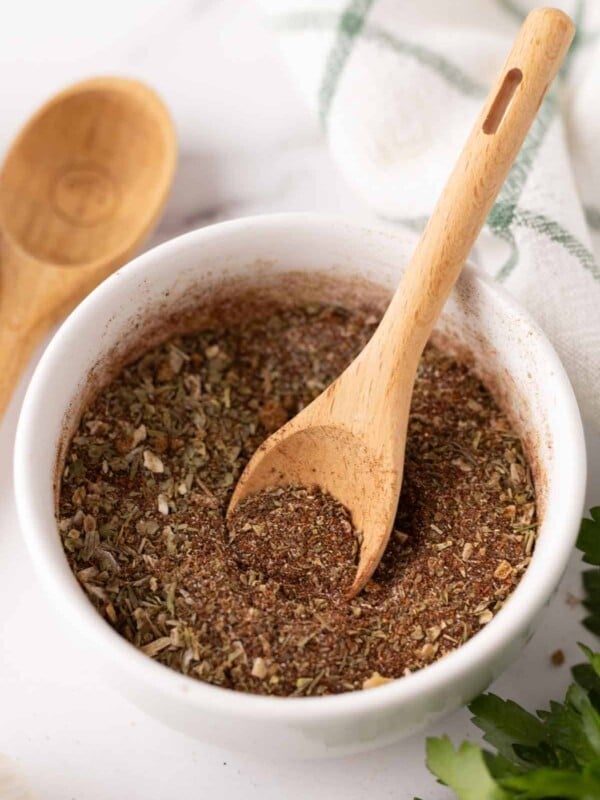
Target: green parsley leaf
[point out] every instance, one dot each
(505, 724)
(463, 770)
(589, 538)
(546, 783)
(586, 677)
(591, 586)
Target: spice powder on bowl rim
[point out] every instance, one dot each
(260, 606)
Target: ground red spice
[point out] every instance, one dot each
(260, 607)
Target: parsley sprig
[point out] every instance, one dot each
(550, 755)
(589, 543)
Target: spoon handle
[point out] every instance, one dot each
(471, 190)
(18, 337)
(33, 298)
(23, 316)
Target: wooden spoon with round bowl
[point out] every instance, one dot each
(350, 441)
(80, 189)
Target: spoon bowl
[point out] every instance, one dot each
(80, 189)
(86, 177)
(341, 462)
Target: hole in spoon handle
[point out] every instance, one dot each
(509, 85)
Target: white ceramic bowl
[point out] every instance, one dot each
(508, 350)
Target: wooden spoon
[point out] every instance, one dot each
(80, 189)
(351, 440)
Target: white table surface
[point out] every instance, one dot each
(247, 146)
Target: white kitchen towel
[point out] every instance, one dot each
(397, 85)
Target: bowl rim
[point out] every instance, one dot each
(525, 602)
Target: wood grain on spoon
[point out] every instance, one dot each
(351, 440)
(80, 189)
